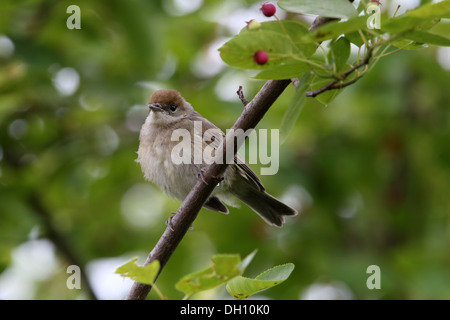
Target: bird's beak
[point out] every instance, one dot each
(155, 107)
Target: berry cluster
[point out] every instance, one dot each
(268, 9)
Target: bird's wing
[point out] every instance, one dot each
(215, 138)
(248, 174)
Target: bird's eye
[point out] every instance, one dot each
(173, 108)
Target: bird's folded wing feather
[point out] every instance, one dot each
(244, 170)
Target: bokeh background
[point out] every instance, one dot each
(370, 172)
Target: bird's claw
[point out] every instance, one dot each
(169, 223)
(202, 177)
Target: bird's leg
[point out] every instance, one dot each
(169, 221)
(201, 176)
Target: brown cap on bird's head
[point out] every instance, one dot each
(167, 97)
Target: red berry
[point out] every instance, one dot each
(268, 9)
(261, 57)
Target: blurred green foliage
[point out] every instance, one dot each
(370, 172)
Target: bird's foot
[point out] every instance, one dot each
(202, 177)
(169, 223)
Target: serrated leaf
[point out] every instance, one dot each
(293, 30)
(239, 51)
(282, 40)
(241, 288)
(326, 8)
(224, 268)
(143, 274)
(295, 108)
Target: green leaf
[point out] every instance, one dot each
(224, 268)
(284, 71)
(296, 106)
(431, 10)
(282, 40)
(244, 263)
(405, 44)
(340, 52)
(422, 17)
(241, 287)
(239, 51)
(143, 274)
(326, 8)
(334, 29)
(293, 30)
(426, 37)
(327, 96)
(401, 24)
(355, 38)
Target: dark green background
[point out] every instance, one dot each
(371, 170)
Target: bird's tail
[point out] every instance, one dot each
(266, 206)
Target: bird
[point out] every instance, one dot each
(171, 115)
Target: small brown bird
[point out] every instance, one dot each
(159, 156)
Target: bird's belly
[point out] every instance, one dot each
(174, 179)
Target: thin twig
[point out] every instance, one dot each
(240, 93)
(338, 84)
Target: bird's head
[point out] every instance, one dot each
(168, 106)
